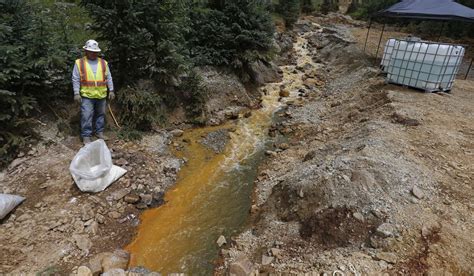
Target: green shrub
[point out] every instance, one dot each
(290, 10)
(14, 127)
(194, 96)
(369, 7)
(307, 6)
(130, 134)
(141, 106)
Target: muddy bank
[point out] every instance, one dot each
(375, 178)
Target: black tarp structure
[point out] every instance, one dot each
(429, 9)
(440, 10)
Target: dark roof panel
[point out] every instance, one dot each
(429, 9)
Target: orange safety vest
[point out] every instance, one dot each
(93, 86)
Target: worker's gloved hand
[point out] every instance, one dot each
(111, 95)
(77, 98)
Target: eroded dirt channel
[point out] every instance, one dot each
(213, 193)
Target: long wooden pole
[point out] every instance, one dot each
(378, 46)
(367, 36)
(113, 116)
(468, 70)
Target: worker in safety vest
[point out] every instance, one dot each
(90, 78)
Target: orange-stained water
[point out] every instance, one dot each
(212, 195)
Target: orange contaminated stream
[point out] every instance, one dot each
(212, 195)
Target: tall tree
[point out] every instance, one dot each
(290, 10)
(144, 38)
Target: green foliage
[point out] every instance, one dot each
(129, 134)
(194, 96)
(290, 10)
(14, 128)
(141, 106)
(234, 34)
(145, 39)
(369, 7)
(328, 6)
(34, 56)
(307, 6)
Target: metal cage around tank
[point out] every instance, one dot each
(427, 65)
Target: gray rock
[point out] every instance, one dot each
(310, 155)
(24, 217)
(389, 257)
(117, 260)
(132, 198)
(117, 195)
(386, 230)
(266, 260)
(177, 132)
(87, 212)
(121, 162)
(95, 263)
(262, 72)
(147, 199)
(216, 140)
(241, 267)
(93, 228)
(115, 272)
(358, 216)
(417, 192)
(276, 252)
(221, 241)
(114, 215)
(100, 218)
(82, 242)
(84, 271)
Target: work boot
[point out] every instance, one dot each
(101, 135)
(86, 140)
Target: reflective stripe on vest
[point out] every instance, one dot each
(93, 86)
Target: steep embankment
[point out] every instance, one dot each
(377, 178)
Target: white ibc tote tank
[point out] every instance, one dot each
(425, 65)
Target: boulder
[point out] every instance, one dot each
(177, 132)
(262, 72)
(417, 192)
(84, 271)
(82, 242)
(95, 263)
(389, 257)
(221, 241)
(132, 198)
(241, 267)
(386, 230)
(117, 260)
(266, 260)
(115, 272)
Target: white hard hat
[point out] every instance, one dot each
(92, 46)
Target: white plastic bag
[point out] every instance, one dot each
(92, 168)
(8, 203)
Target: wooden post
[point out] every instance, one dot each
(367, 36)
(468, 70)
(378, 46)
